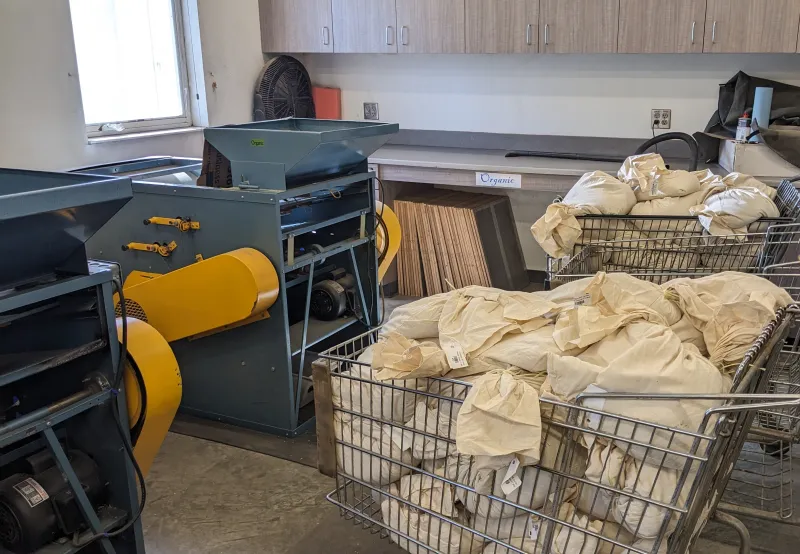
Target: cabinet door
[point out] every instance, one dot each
(296, 26)
(752, 25)
(579, 26)
(364, 26)
(431, 26)
(659, 26)
(502, 26)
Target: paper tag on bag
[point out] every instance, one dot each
(533, 530)
(456, 358)
(512, 469)
(511, 485)
(593, 420)
(583, 299)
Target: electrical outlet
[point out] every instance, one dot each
(371, 111)
(661, 119)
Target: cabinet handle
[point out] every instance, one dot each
(389, 35)
(714, 33)
(546, 34)
(694, 24)
(326, 36)
(404, 35)
(528, 34)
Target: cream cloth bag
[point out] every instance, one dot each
(396, 357)
(419, 319)
(645, 358)
(373, 465)
(596, 193)
(730, 309)
(669, 184)
(476, 318)
(529, 350)
(639, 171)
(732, 211)
(565, 539)
(611, 301)
(501, 416)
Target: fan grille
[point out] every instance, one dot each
(132, 309)
(284, 90)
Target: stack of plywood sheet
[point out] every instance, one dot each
(455, 239)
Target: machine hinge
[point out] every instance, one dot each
(183, 224)
(163, 249)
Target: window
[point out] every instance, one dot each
(131, 65)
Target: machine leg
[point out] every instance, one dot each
(80, 495)
(360, 288)
(303, 344)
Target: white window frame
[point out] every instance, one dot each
(95, 130)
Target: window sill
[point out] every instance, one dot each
(143, 135)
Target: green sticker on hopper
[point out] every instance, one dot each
(257, 142)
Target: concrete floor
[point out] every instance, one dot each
(209, 498)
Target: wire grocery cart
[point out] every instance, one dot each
(406, 481)
(601, 228)
(762, 482)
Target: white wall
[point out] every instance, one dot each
(579, 95)
(41, 117)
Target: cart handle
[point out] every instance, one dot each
(688, 139)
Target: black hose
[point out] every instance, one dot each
(690, 141)
(126, 443)
(136, 428)
(564, 156)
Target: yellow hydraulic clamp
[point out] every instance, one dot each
(183, 224)
(163, 249)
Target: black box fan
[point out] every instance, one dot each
(283, 90)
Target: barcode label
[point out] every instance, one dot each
(583, 299)
(456, 358)
(512, 469)
(511, 485)
(533, 530)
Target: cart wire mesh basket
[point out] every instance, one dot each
(762, 483)
(755, 244)
(405, 480)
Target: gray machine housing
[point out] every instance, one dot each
(59, 353)
(298, 183)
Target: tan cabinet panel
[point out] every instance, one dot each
(431, 26)
(661, 26)
(752, 26)
(364, 26)
(578, 26)
(296, 26)
(502, 26)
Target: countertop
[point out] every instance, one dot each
(462, 159)
(484, 160)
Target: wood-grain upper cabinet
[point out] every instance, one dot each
(502, 26)
(431, 26)
(364, 26)
(578, 26)
(296, 25)
(661, 26)
(752, 25)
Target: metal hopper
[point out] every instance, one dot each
(284, 153)
(45, 219)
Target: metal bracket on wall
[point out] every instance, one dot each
(165, 250)
(183, 224)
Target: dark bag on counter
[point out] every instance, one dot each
(738, 95)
